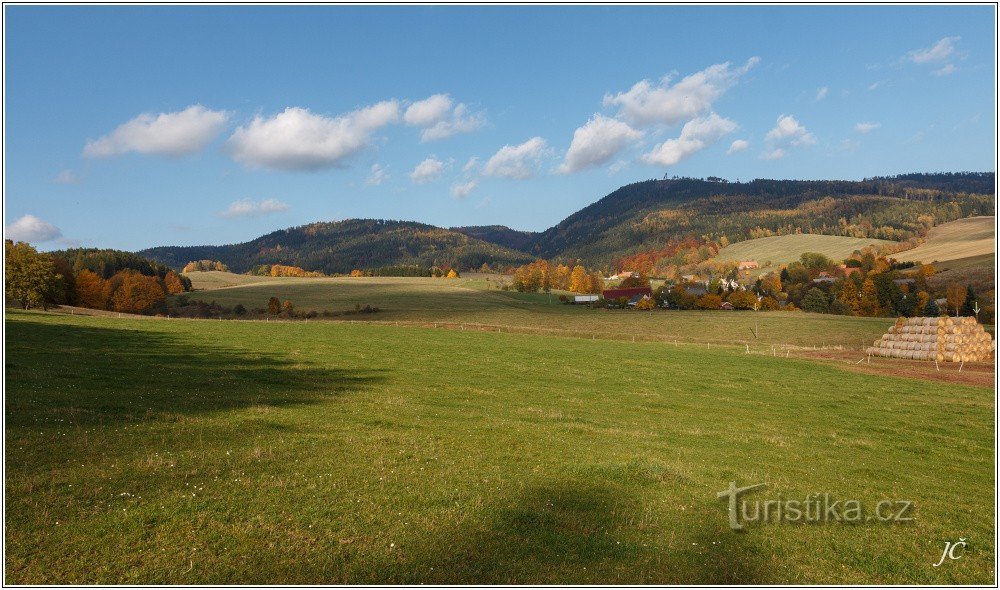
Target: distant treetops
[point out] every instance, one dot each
(204, 266)
(87, 277)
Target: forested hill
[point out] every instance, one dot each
(639, 217)
(645, 215)
(339, 247)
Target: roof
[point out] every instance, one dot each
(627, 293)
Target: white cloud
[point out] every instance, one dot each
(940, 51)
(821, 93)
(461, 191)
(429, 111)
(165, 134)
(599, 140)
(866, 127)
(248, 208)
(377, 176)
(646, 103)
(945, 70)
(297, 139)
(696, 135)
(427, 171)
(738, 146)
(471, 165)
(617, 167)
(32, 229)
(874, 85)
(66, 177)
(774, 154)
(517, 161)
(439, 120)
(789, 130)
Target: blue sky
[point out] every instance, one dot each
(131, 127)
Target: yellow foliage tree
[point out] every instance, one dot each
(578, 280)
(956, 297)
(869, 304)
(452, 274)
(135, 293)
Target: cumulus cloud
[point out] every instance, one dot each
(738, 146)
(377, 176)
(463, 190)
(821, 93)
(789, 130)
(32, 229)
(938, 52)
(647, 103)
(597, 142)
(426, 171)
(249, 208)
(517, 161)
(866, 127)
(429, 111)
(696, 135)
(774, 154)
(297, 139)
(440, 119)
(166, 134)
(66, 177)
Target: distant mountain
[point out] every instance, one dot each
(500, 234)
(638, 217)
(339, 247)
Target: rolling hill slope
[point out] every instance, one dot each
(772, 252)
(964, 238)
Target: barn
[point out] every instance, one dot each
(633, 294)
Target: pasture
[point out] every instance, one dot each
(196, 451)
(477, 301)
(961, 239)
(772, 252)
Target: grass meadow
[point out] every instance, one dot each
(478, 301)
(203, 452)
(772, 252)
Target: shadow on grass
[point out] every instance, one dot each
(69, 374)
(582, 532)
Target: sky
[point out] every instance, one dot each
(133, 127)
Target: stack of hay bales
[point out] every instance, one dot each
(935, 339)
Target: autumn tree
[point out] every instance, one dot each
(869, 304)
(452, 274)
(136, 292)
(288, 308)
(956, 295)
(173, 283)
(274, 306)
(708, 301)
(742, 300)
(578, 280)
(29, 277)
(90, 290)
(646, 304)
(923, 297)
(848, 295)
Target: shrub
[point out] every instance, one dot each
(708, 301)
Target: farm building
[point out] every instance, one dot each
(748, 264)
(849, 270)
(635, 293)
(585, 298)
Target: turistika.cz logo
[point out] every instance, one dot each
(815, 508)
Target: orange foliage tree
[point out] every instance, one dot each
(135, 293)
(173, 283)
(90, 290)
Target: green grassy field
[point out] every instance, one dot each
(188, 451)
(770, 253)
(476, 302)
(962, 239)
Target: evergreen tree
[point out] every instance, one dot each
(969, 307)
(816, 301)
(931, 309)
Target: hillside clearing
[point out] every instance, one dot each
(772, 252)
(333, 453)
(962, 239)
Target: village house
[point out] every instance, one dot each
(585, 298)
(825, 277)
(849, 270)
(748, 265)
